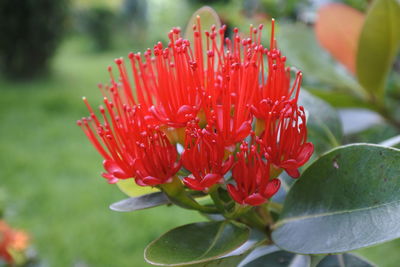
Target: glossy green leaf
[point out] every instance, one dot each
(140, 203)
(259, 252)
(378, 45)
(235, 257)
(298, 43)
(347, 199)
(276, 258)
(323, 123)
(223, 261)
(196, 243)
(344, 260)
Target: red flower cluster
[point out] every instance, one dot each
(210, 94)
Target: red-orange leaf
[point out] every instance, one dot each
(337, 29)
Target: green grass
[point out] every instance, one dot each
(51, 174)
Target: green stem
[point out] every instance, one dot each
(238, 211)
(254, 220)
(276, 207)
(217, 200)
(315, 259)
(178, 195)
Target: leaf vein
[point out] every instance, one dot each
(291, 219)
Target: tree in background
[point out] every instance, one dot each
(31, 31)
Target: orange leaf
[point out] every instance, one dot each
(338, 28)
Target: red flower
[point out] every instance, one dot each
(233, 71)
(156, 159)
(220, 83)
(166, 83)
(204, 157)
(130, 144)
(252, 178)
(276, 87)
(284, 139)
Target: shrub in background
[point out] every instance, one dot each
(134, 19)
(31, 31)
(97, 22)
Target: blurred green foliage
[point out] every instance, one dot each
(98, 23)
(30, 33)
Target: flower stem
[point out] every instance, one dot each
(178, 195)
(217, 200)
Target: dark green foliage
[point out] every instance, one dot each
(361, 5)
(98, 23)
(133, 19)
(273, 8)
(30, 33)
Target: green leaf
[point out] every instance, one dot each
(344, 260)
(347, 199)
(259, 252)
(340, 99)
(378, 45)
(323, 123)
(286, 183)
(276, 258)
(140, 203)
(196, 243)
(298, 43)
(130, 188)
(235, 257)
(223, 261)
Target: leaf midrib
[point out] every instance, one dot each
(298, 218)
(213, 243)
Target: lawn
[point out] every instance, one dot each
(51, 175)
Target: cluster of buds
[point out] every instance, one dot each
(213, 113)
(12, 243)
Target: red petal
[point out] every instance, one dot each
(294, 173)
(272, 187)
(243, 131)
(111, 179)
(139, 182)
(176, 167)
(289, 164)
(183, 111)
(113, 168)
(152, 181)
(255, 199)
(305, 153)
(155, 112)
(210, 179)
(227, 164)
(193, 184)
(235, 194)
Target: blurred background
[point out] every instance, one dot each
(54, 52)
